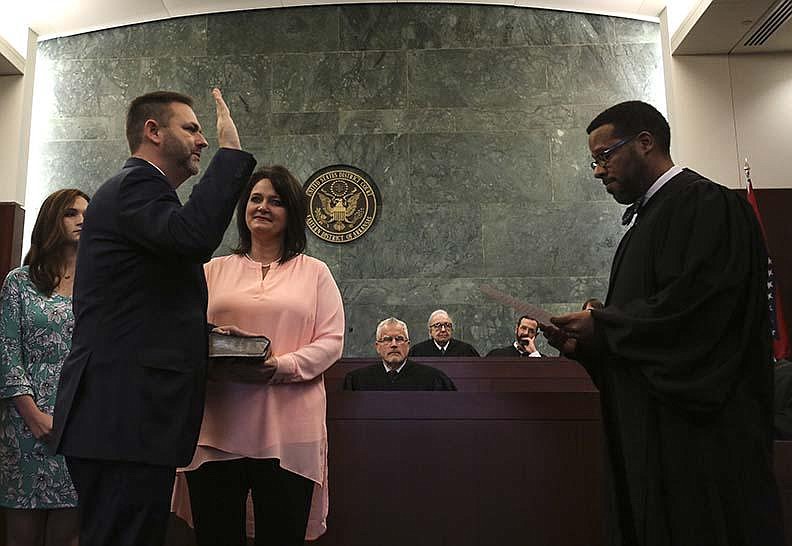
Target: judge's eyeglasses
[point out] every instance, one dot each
(398, 339)
(601, 159)
(441, 325)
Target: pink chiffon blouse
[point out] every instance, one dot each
(299, 308)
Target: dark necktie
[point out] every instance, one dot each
(392, 375)
(631, 211)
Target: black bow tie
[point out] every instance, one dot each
(631, 211)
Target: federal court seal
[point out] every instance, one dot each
(343, 203)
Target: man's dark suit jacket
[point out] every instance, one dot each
(412, 377)
(132, 388)
(455, 348)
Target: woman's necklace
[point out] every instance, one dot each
(263, 266)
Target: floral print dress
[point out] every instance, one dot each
(35, 337)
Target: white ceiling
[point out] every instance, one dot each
(65, 17)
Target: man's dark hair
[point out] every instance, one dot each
(594, 303)
(154, 106)
(632, 117)
(295, 201)
(529, 317)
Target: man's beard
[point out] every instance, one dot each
(183, 155)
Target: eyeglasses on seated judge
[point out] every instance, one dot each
(398, 339)
(441, 325)
(601, 159)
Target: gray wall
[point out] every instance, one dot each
(469, 118)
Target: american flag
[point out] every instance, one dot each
(778, 327)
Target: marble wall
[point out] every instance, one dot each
(469, 118)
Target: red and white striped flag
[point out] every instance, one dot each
(778, 325)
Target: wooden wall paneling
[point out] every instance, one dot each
(12, 220)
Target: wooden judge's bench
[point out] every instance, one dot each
(513, 458)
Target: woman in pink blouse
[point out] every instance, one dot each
(268, 436)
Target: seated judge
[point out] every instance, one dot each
(396, 372)
(441, 341)
(524, 343)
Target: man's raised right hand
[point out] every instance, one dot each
(227, 135)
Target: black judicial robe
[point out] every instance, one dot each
(783, 400)
(412, 377)
(509, 350)
(455, 348)
(683, 364)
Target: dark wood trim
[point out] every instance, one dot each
(12, 225)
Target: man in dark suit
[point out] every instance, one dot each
(396, 372)
(441, 341)
(524, 344)
(681, 351)
(131, 394)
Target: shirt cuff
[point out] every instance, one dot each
(11, 391)
(285, 370)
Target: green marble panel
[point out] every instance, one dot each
(507, 120)
(185, 36)
(245, 81)
(305, 123)
(83, 164)
(106, 44)
(556, 239)
(383, 157)
(573, 179)
(95, 88)
(477, 168)
(273, 31)
(329, 81)
(85, 128)
(417, 241)
(463, 290)
(606, 75)
(396, 121)
(632, 31)
(444, 26)
(495, 78)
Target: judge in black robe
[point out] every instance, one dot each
(512, 350)
(411, 377)
(681, 352)
(396, 372)
(524, 344)
(441, 341)
(454, 347)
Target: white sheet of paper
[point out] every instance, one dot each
(541, 316)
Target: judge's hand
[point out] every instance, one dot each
(242, 371)
(560, 340)
(579, 326)
(227, 135)
(529, 345)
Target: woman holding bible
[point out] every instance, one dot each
(265, 431)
